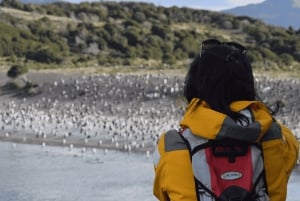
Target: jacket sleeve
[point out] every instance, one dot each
(159, 163)
(292, 149)
(174, 180)
(280, 156)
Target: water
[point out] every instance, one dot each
(35, 173)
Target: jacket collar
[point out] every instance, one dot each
(210, 124)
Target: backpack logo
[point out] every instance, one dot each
(231, 175)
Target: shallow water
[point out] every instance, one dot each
(33, 173)
(36, 173)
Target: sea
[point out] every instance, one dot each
(44, 173)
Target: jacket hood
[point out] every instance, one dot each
(210, 124)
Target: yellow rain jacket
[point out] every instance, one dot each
(174, 179)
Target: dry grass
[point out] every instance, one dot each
(32, 16)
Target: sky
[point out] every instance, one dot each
(214, 5)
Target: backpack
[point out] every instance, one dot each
(227, 169)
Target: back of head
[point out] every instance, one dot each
(220, 75)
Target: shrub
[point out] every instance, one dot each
(45, 55)
(16, 70)
(287, 58)
(169, 58)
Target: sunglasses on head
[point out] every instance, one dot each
(211, 43)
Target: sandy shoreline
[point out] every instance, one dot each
(72, 143)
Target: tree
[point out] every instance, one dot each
(133, 36)
(169, 58)
(139, 17)
(46, 55)
(287, 58)
(153, 53)
(13, 4)
(160, 31)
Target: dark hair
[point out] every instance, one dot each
(220, 76)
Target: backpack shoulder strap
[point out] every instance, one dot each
(195, 144)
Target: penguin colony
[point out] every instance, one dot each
(125, 112)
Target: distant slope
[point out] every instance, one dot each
(39, 1)
(283, 13)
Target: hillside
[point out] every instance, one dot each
(133, 34)
(276, 12)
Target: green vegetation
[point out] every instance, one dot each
(133, 34)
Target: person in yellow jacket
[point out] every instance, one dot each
(220, 90)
